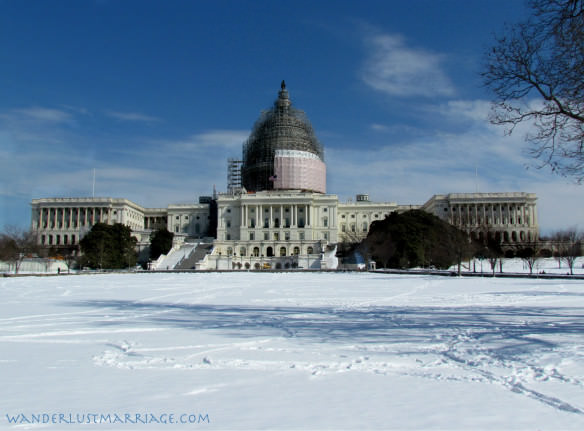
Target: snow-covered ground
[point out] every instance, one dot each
(291, 351)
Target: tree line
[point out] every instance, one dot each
(103, 247)
(417, 239)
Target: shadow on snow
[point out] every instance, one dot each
(385, 324)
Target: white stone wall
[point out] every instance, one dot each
(275, 228)
(509, 217)
(188, 220)
(355, 218)
(64, 221)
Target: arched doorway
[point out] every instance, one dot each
(269, 252)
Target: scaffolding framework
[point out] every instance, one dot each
(234, 175)
(281, 128)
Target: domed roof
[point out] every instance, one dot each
(281, 128)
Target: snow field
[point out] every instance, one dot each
(296, 351)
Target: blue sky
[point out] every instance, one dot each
(155, 96)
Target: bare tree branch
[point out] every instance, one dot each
(535, 73)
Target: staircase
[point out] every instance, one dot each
(198, 254)
(176, 256)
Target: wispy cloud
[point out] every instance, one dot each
(230, 140)
(132, 116)
(397, 69)
(379, 127)
(43, 114)
(480, 157)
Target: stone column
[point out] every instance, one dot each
(333, 218)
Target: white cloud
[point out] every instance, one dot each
(394, 68)
(132, 116)
(481, 157)
(43, 114)
(379, 127)
(160, 173)
(231, 140)
(476, 110)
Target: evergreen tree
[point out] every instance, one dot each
(416, 239)
(109, 247)
(160, 243)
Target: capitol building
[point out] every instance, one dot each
(276, 212)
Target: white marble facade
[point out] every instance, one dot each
(510, 218)
(280, 228)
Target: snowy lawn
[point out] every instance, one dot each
(291, 351)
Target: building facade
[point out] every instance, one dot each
(276, 213)
(509, 218)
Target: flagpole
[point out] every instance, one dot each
(477, 178)
(93, 187)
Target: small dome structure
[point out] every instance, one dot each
(283, 133)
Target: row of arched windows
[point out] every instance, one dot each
(268, 252)
(257, 266)
(58, 239)
(506, 236)
(353, 227)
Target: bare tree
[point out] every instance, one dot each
(16, 244)
(569, 246)
(535, 73)
(529, 253)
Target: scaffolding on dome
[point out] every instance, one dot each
(281, 128)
